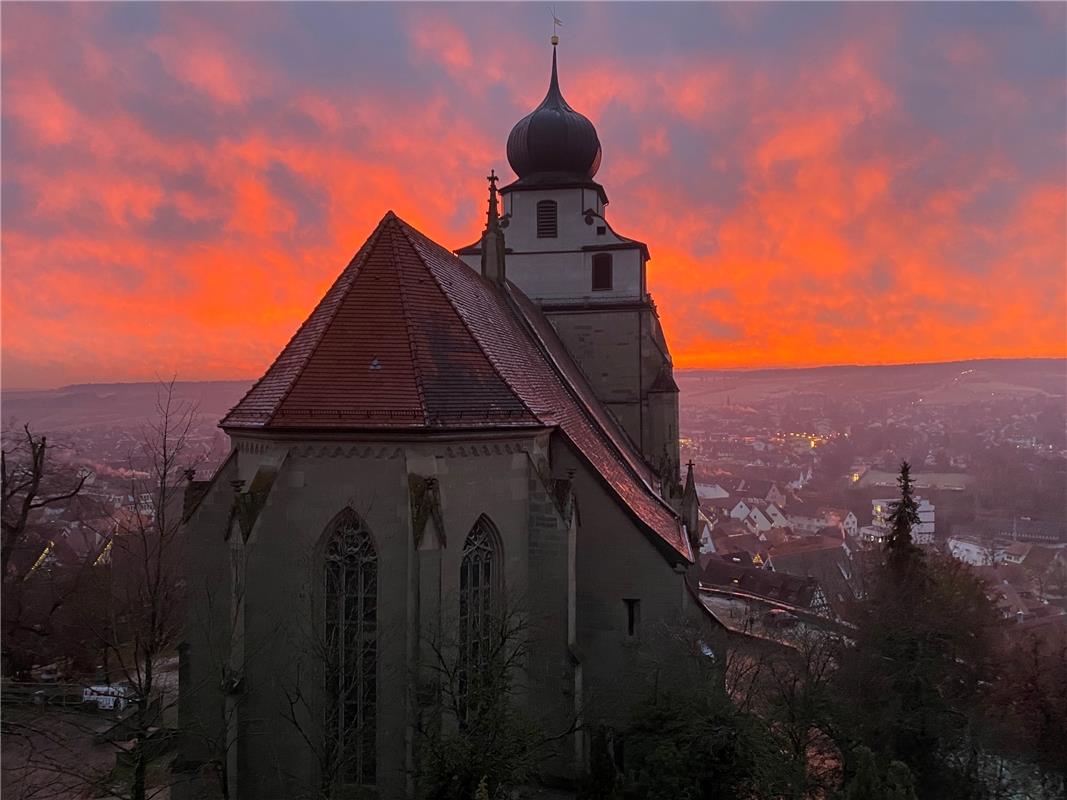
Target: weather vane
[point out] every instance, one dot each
(556, 23)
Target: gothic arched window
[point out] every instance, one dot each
(479, 582)
(350, 595)
(546, 219)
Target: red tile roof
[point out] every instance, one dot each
(411, 338)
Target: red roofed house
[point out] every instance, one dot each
(441, 440)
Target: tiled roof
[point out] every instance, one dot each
(411, 338)
(385, 347)
(790, 589)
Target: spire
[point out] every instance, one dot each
(554, 138)
(493, 237)
(553, 84)
(691, 506)
(493, 214)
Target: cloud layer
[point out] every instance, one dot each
(818, 184)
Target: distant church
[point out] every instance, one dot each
(448, 435)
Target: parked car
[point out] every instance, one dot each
(109, 697)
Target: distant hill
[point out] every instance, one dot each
(112, 404)
(106, 404)
(946, 383)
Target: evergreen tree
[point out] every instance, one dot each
(865, 783)
(869, 783)
(902, 518)
(899, 783)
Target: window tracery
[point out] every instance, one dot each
(350, 594)
(479, 580)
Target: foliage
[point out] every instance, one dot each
(1027, 704)
(870, 783)
(684, 736)
(481, 739)
(911, 683)
(904, 515)
(685, 747)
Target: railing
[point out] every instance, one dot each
(57, 694)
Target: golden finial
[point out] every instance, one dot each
(556, 22)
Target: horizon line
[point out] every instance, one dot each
(768, 368)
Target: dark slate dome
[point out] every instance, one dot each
(554, 138)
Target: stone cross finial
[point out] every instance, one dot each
(493, 214)
(493, 237)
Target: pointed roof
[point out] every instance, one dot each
(554, 139)
(410, 338)
(384, 348)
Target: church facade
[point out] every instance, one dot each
(448, 438)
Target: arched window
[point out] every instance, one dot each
(479, 580)
(546, 219)
(601, 272)
(350, 595)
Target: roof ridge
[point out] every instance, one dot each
(412, 346)
(407, 230)
(353, 268)
(568, 386)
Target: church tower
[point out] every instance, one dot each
(588, 279)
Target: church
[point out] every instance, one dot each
(450, 436)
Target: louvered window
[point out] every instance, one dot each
(546, 219)
(602, 277)
(350, 594)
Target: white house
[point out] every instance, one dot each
(873, 534)
(758, 521)
(711, 491)
(740, 511)
(971, 551)
(923, 533)
(776, 516)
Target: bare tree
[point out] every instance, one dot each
(24, 485)
(142, 584)
(330, 696)
(34, 591)
(479, 735)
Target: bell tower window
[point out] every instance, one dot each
(601, 272)
(547, 227)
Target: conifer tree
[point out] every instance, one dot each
(902, 518)
(865, 783)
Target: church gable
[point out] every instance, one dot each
(384, 348)
(410, 338)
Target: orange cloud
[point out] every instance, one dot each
(796, 217)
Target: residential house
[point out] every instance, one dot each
(793, 590)
(921, 533)
(971, 550)
(826, 558)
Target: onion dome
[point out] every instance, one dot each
(554, 138)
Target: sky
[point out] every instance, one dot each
(818, 183)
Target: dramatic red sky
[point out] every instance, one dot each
(818, 183)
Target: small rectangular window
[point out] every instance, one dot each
(602, 277)
(601, 230)
(546, 219)
(633, 615)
